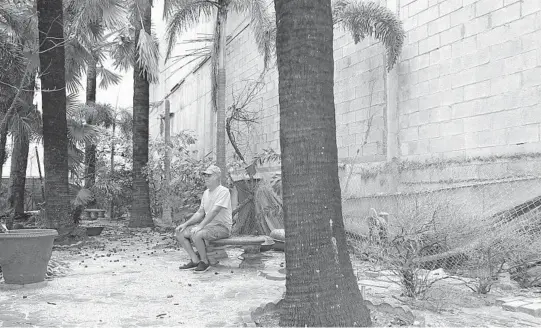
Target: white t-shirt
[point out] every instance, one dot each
(219, 196)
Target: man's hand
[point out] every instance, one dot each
(181, 228)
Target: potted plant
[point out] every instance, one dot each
(25, 253)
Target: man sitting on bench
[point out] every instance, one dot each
(212, 221)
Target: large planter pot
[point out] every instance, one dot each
(24, 255)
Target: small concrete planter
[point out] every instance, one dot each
(24, 255)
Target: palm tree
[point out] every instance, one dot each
(55, 129)
(19, 19)
(17, 43)
(183, 14)
(96, 115)
(89, 20)
(144, 72)
(321, 289)
(24, 127)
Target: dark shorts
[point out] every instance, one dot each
(212, 232)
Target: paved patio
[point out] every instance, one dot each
(130, 277)
(141, 287)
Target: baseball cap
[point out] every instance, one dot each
(213, 169)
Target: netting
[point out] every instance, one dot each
(473, 229)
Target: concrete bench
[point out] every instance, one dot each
(250, 244)
(93, 214)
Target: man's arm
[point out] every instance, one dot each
(210, 216)
(197, 217)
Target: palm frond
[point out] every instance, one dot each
(186, 14)
(36, 123)
(98, 114)
(90, 18)
(170, 6)
(107, 77)
(75, 159)
(113, 14)
(80, 133)
(125, 121)
(84, 196)
(264, 29)
(148, 53)
(77, 58)
(123, 52)
(20, 23)
(72, 104)
(12, 67)
(363, 19)
(21, 126)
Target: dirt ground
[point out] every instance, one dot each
(130, 277)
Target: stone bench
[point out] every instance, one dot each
(250, 244)
(93, 214)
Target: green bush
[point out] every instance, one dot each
(185, 188)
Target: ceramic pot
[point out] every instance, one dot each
(25, 253)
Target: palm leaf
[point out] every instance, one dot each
(80, 133)
(125, 121)
(75, 159)
(19, 22)
(98, 114)
(263, 26)
(107, 77)
(84, 196)
(123, 52)
(113, 14)
(148, 53)
(21, 126)
(72, 104)
(186, 14)
(370, 19)
(77, 58)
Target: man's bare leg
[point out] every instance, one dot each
(183, 239)
(200, 245)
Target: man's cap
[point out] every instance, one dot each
(212, 170)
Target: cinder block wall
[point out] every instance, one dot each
(470, 78)
(467, 85)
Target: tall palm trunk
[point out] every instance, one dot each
(320, 287)
(19, 162)
(3, 157)
(55, 131)
(19, 158)
(90, 148)
(219, 86)
(140, 211)
(7, 115)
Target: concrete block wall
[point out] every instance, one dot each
(244, 66)
(359, 98)
(470, 78)
(468, 84)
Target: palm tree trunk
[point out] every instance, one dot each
(321, 289)
(140, 211)
(220, 38)
(19, 162)
(55, 131)
(6, 119)
(112, 159)
(90, 148)
(19, 158)
(3, 157)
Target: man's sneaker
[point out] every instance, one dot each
(189, 265)
(202, 267)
